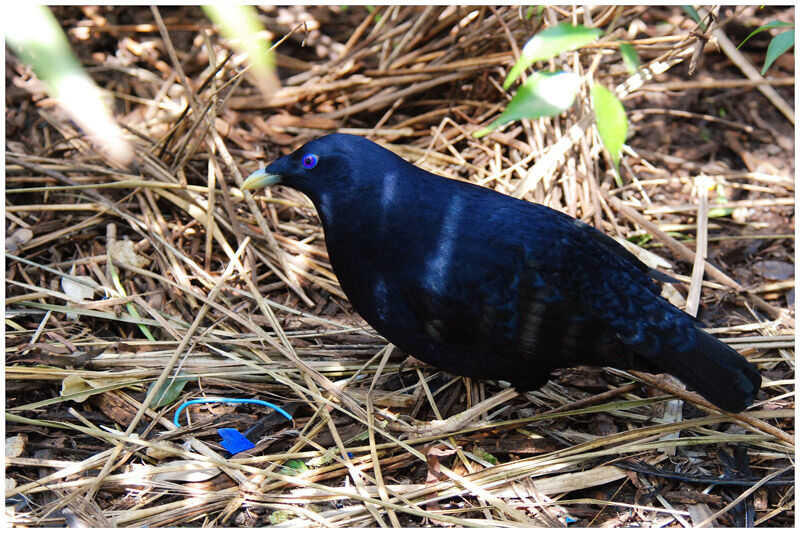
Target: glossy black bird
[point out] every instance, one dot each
(485, 285)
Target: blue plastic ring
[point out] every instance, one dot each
(229, 401)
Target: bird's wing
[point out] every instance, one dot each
(517, 312)
(545, 292)
(610, 245)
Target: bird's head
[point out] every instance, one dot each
(332, 162)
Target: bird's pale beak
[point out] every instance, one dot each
(260, 179)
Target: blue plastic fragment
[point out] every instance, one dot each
(233, 441)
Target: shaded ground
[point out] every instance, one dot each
(419, 80)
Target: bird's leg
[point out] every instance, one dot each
(455, 422)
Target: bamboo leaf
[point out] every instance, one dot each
(544, 94)
(241, 25)
(781, 43)
(629, 57)
(549, 43)
(694, 15)
(168, 392)
(612, 123)
(768, 25)
(36, 37)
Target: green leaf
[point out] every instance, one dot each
(695, 16)
(168, 392)
(781, 43)
(549, 43)
(131, 308)
(483, 454)
(529, 12)
(719, 212)
(293, 467)
(629, 57)
(612, 124)
(544, 94)
(240, 24)
(36, 37)
(278, 517)
(641, 240)
(768, 25)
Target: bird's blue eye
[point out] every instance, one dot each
(310, 161)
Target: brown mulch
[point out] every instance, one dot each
(233, 295)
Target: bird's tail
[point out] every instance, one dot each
(716, 371)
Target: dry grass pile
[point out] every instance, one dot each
(132, 289)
